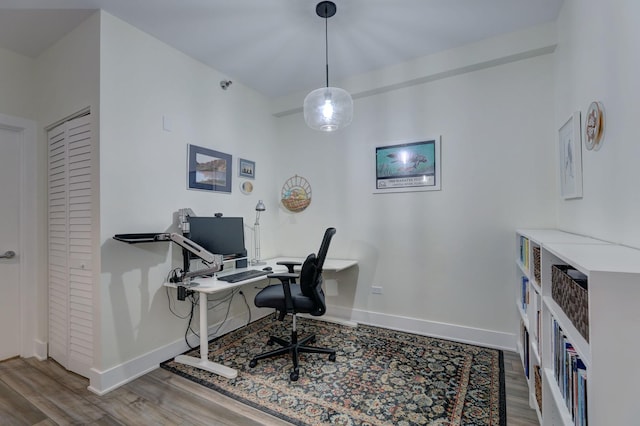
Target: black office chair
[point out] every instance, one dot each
(305, 297)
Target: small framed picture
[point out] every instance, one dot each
(408, 166)
(570, 155)
(208, 170)
(246, 168)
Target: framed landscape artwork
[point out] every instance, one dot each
(208, 170)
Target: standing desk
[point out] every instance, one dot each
(213, 285)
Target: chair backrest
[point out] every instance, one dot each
(311, 274)
(324, 247)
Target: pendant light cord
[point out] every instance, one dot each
(326, 41)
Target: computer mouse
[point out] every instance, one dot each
(268, 268)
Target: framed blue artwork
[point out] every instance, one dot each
(208, 170)
(246, 168)
(408, 166)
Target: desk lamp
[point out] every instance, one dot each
(260, 207)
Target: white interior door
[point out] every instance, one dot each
(10, 324)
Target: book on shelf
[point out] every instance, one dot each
(582, 390)
(525, 348)
(538, 325)
(524, 252)
(524, 299)
(571, 376)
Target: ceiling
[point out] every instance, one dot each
(277, 47)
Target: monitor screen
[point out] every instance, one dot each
(219, 235)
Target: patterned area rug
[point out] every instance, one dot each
(380, 377)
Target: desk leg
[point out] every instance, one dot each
(203, 362)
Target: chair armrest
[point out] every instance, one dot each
(289, 264)
(285, 279)
(287, 275)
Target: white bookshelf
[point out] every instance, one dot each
(609, 353)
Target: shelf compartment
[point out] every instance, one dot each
(556, 412)
(571, 375)
(524, 252)
(524, 294)
(580, 343)
(572, 295)
(538, 386)
(536, 264)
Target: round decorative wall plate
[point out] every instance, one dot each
(296, 194)
(246, 187)
(594, 126)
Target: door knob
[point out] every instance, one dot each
(8, 254)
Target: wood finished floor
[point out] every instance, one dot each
(43, 393)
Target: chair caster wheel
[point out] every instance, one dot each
(294, 376)
(253, 363)
(332, 357)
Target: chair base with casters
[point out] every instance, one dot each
(294, 298)
(295, 347)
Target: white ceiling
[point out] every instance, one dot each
(277, 46)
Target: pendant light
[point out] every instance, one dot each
(328, 108)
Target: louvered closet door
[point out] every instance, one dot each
(70, 245)
(58, 252)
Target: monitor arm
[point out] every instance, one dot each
(193, 248)
(213, 260)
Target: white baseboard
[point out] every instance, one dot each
(102, 382)
(457, 333)
(40, 350)
(36, 349)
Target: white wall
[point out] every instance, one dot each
(16, 85)
(67, 74)
(143, 178)
(445, 256)
(597, 60)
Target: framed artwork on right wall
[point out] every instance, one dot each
(570, 156)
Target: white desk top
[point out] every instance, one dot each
(332, 265)
(213, 284)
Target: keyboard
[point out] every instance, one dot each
(244, 275)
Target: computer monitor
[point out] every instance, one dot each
(219, 235)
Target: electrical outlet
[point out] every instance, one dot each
(376, 289)
(166, 124)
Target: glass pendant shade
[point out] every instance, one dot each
(328, 109)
